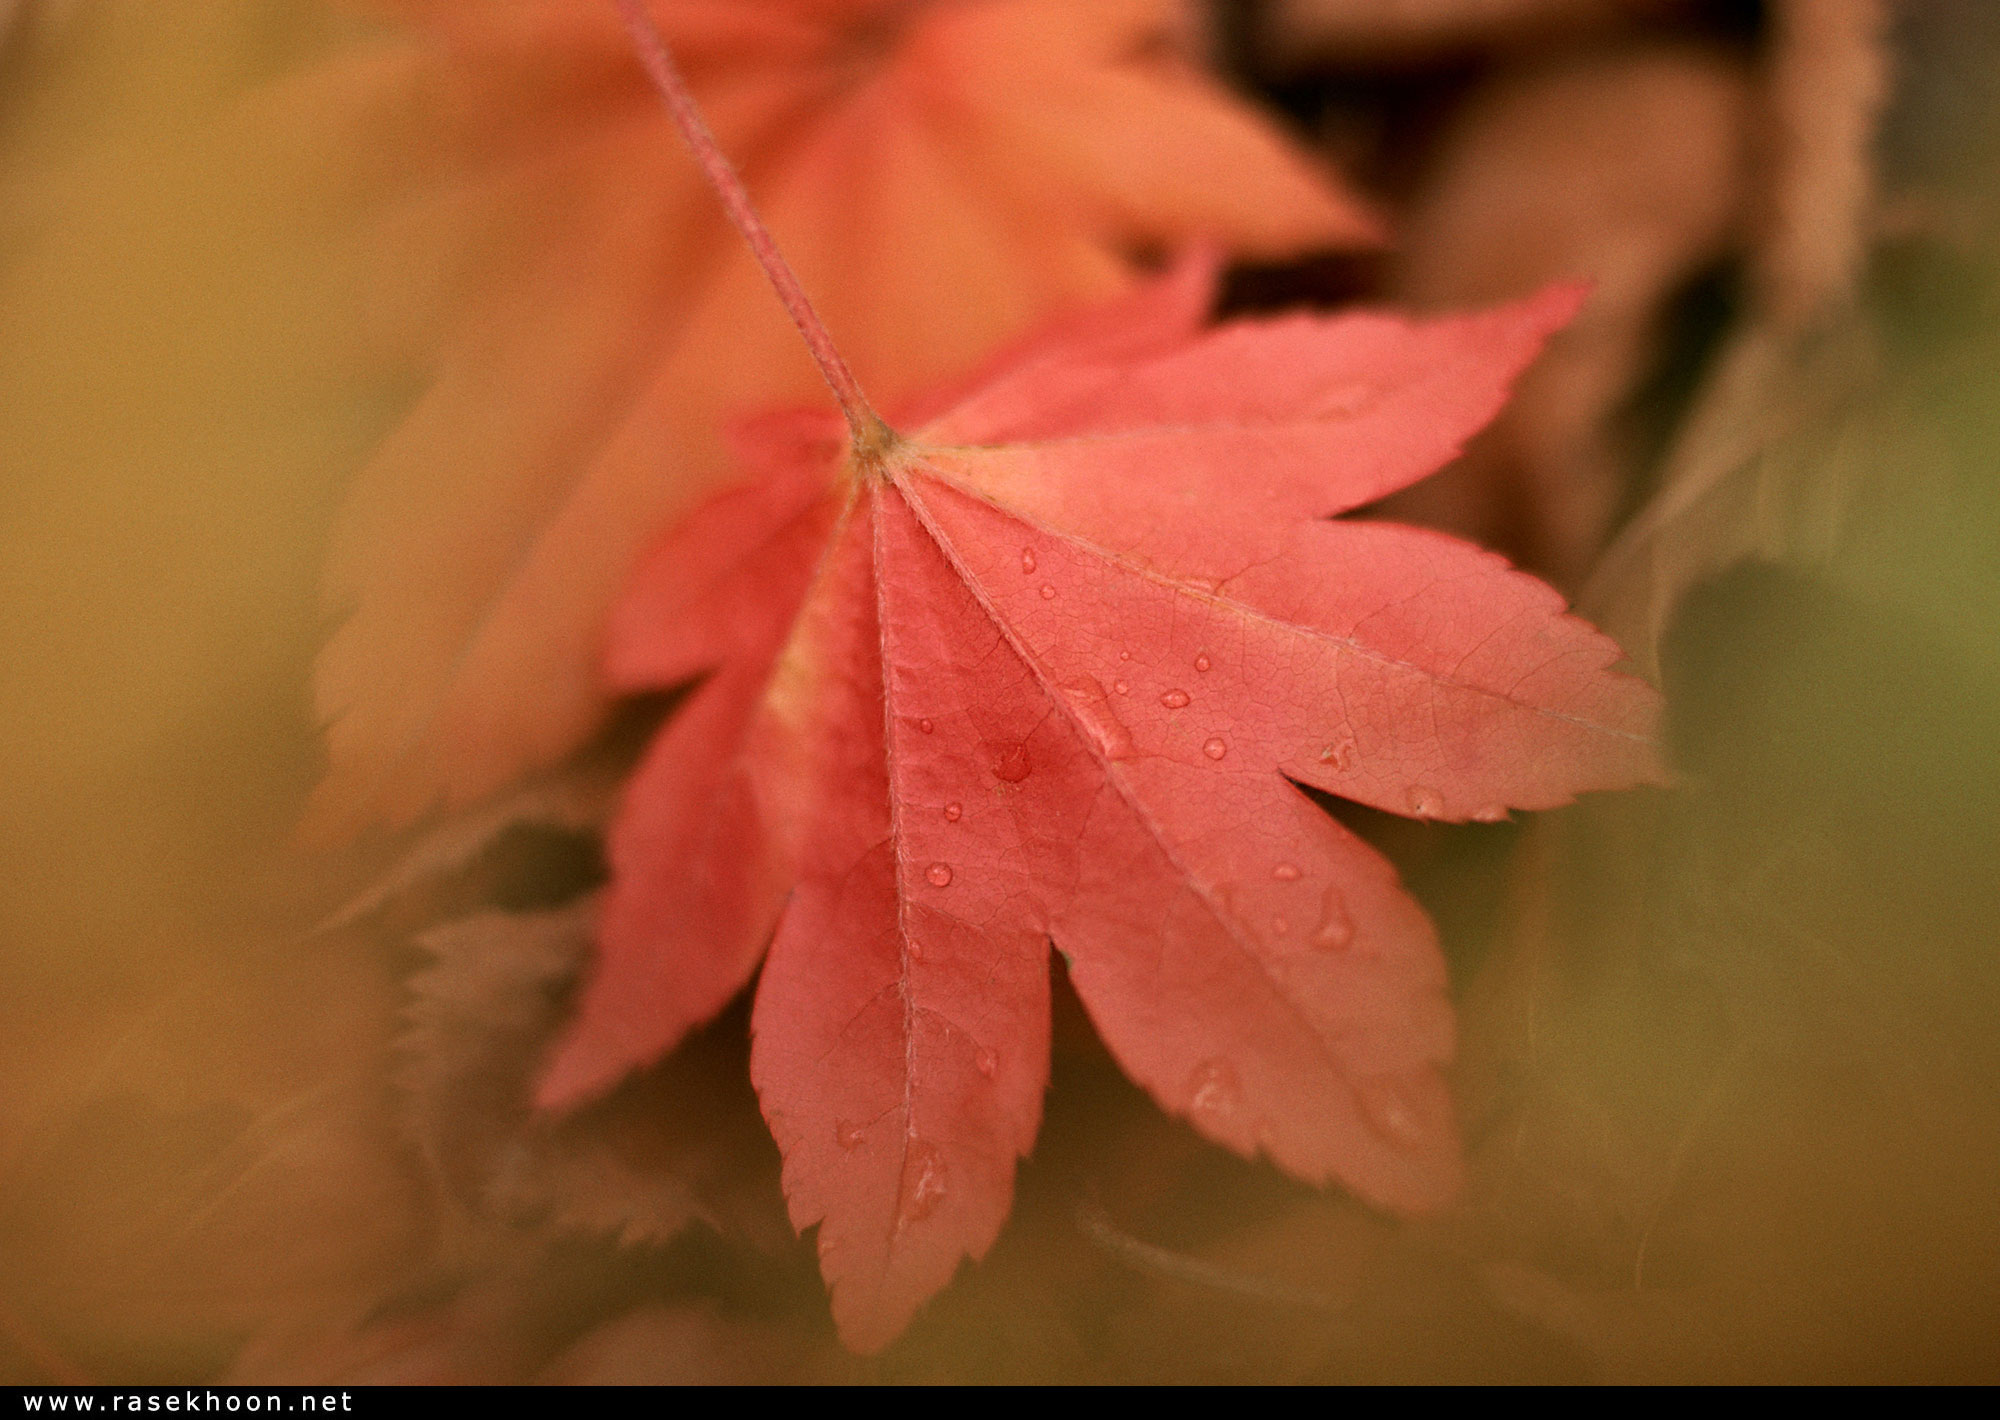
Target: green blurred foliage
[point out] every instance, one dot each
(1735, 1073)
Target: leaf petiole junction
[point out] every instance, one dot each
(870, 436)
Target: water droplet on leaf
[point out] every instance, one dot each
(1286, 872)
(1027, 560)
(1387, 1108)
(1201, 662)
(953, 812)
(1336, 928)
(1214, 1089)
(1048, 592)
(1340, 754)
(1175, 699)
(923, 1183)
(926, 726)
(1122, 687)
(986, 1061)
(1425, 803)
(939, 874)
(1012, 764)
(1216, 747)
(1492, 813)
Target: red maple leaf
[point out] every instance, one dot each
(1052, 666)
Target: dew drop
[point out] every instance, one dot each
(1492, 813)
(1335, 929)
(987, 1062)
(1124, 655)
(1216, 747)
(1280, 926)
(1340, 754)
(926, 726)
(1122, 687)
(1175, 699)
(1012, 764)
(1027, 560)
(1425, 803)
(1390, 1112)
(953, 812)
(1202, 663)
(923, 1182)
(1286, 872)
(1048, 592)
(848, 1136)
(939, 874)
(1213, 1089)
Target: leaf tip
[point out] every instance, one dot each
(573, 1077)
(1561, 302)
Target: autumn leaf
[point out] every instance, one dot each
(944, 175)
(1053, 666)
(1048, 668)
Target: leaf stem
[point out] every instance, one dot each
(866, 428)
